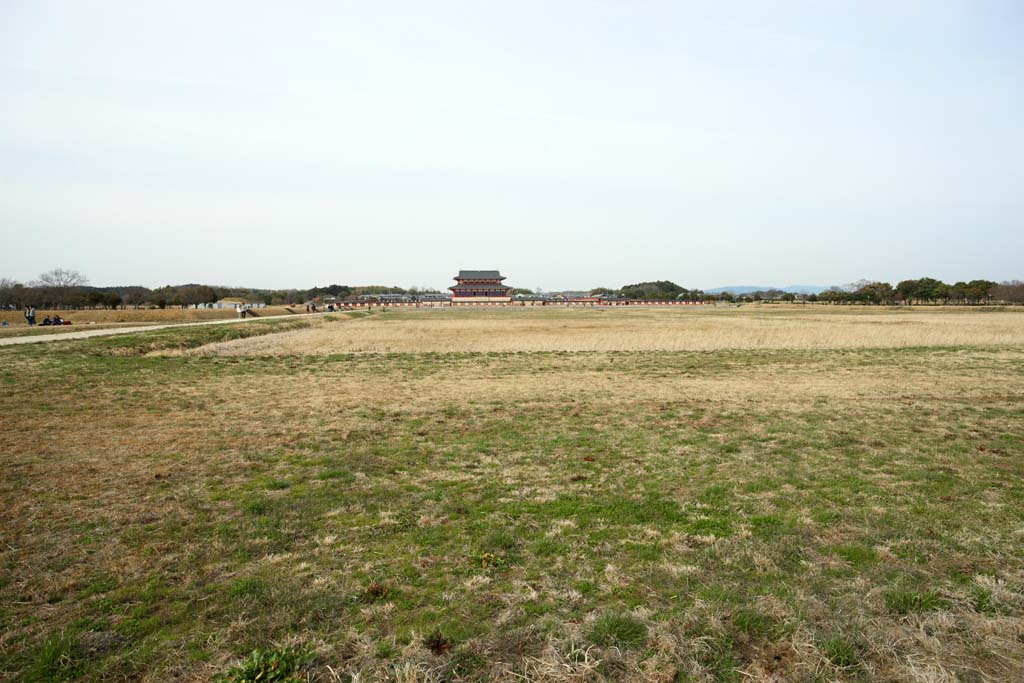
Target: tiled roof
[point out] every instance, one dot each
(479, 275)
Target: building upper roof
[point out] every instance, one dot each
(479, 275)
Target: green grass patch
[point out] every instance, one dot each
(841, 652)
(249, 586)
(859, 556)
(57, 659)
(339, 475)
(620, 630)
(909, 602)
(756, 625)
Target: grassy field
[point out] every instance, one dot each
(44, 331)
(512, 495)
(135, 317)
(652, 329)
(113, 319)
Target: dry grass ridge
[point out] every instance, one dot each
(647, 329)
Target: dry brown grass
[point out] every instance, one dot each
(783, 383)
(133, 316)
(502, 330)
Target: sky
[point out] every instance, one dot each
(569, 144)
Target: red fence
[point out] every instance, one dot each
(518, 304)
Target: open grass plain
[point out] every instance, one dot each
(93, 319)
(136, 316)
(521, 495)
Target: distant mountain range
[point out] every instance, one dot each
(748, 289)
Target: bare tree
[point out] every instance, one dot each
(859, 284)
(60, 278)
(1012, 291)
(60, 284)
(135, 296)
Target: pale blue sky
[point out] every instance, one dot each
(570, 144)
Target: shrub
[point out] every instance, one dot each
(280, 665)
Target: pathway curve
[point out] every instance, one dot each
(85, 334)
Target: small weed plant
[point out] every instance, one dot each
(376, 591)
(280, 665)
(437, 642)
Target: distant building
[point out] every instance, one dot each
(236, 303)
(480, 286)
(587, 299)
(387, 297)
(433, 296)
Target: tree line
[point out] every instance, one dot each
(69, 289)
(924, 290)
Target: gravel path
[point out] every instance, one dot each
(85, 334)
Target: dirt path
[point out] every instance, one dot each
(85, 334)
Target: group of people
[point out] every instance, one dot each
(30, 318)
